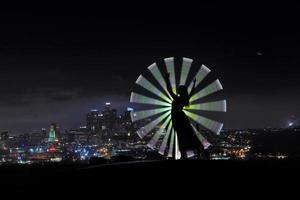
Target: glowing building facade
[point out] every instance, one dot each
(52, 134)
(103, 122)
(93, 119)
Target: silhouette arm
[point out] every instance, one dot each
(193, 89)
(169, 87)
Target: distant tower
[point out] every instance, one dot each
(52, 134)
(109, 116)
(92, 121)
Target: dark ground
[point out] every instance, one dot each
(203, 178)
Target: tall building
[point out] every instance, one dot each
(109, 117)
(52, 137)
(126, 121)
(92, 121)
(103, 122)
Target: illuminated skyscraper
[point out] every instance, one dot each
(102, 122)
(52, 134)
(109, 117)
(93, 121)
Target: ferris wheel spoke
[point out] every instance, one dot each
(147, 128)
(201, 74)
(219, 106)
(185, 69)
(210, 124)
(135, 116)
(164, 143)
(210, 89)
(138, 98)
(143, 82)
(171, 69)
(159, 78)
(202, 139)
(152, 143)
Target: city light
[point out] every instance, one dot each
(94, 141)
(129, 109)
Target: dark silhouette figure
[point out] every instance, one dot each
(187, 138)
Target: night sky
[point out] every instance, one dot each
(55, 66)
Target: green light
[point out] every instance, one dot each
(159, 78)
(201, 74)
(171, 69)
(146, 129)
(165, 140)
(138, 98)
(219, 106)
(143, 82)
(52, 136)
(135, 116)
(152, 143)
(207, 123)
(185, 69)
(211, 88)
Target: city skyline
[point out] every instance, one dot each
(120, 110)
